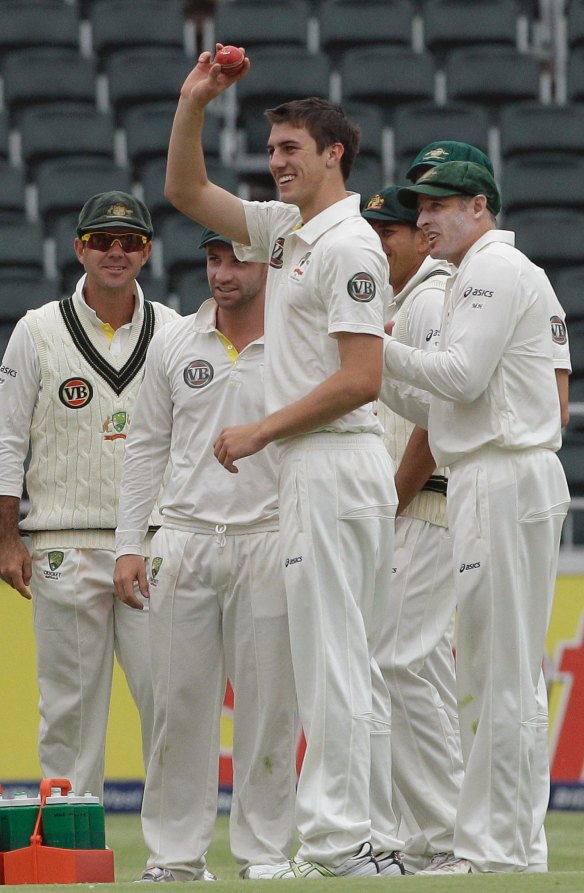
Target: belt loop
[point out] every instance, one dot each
(220, 535)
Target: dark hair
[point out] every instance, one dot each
(325, 121)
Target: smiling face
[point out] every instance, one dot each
(234, 283)
(452, 224)
(305, 177)
(405, 248)
(113, 269)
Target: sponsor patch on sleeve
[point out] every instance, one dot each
(361, 287)
(558, 330)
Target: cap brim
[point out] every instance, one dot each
(214, 238)
(116, 224)
(415, 169)
(408, 197)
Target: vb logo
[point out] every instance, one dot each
(75, 393)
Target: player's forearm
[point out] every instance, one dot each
(187, 185)
(334, 398)
(9, 518)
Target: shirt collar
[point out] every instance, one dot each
(206, 319)
(492, 235)
(89, 313)
(335, 213)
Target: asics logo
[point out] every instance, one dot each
(290, 561)
(469, 567)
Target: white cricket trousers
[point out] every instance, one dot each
(337, 509)
(415, 655)
(217, 606)
(79, 625)
(505, 511)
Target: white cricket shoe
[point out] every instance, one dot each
(164, 876)
(389, 864)
(448, 864)
(362, 864)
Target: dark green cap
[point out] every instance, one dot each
(385, 206)
(208, 235)
(454, 178)
(108, 209)
(447, 150)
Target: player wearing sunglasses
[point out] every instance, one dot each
(75, 369)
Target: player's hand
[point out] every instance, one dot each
(235, 443)
(16, 565)
(130, 577)
(206, 80)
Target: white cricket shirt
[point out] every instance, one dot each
(194, 386)
(326, 276)
(492, 379)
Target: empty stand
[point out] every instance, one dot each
(57, 130)
(12, 193)
(542, 181)
(550, 237)
(390, 77)
(180, 247)
(192, 288)
(119, 24)
(44, 75)
(29, 23)
(65, 184)
(148, 127)
(575, 24)
(366, 177)
(492, 75)
(21, 251)
(144, 75)
(528, 128)
(153, 177)
(449, 24)
(575, 75)
(252, 24)
(347, 24)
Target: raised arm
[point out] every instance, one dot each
(187, 185)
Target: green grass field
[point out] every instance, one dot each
(565, 835)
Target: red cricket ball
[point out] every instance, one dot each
(231, 60)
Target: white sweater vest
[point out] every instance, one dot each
(80, 424)
(430, 502)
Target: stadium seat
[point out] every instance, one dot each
(418, 124)
(543, 181)
(180, 247)
(575, 24)
(550, 237)
(118, 24)
(370, 121)
(153, 177)
(530, 127)
(47, 74)
(29, 23)
(18, 296)
(569, 285)
(252, 24)
(147, 129)
(156, 74)
(306, 74)
(192, 288)
(4, 145)
(575, 75)
(366, 177)
(348, 24)
(492, 76)
(449, 24)
(391, 77)
(55, 130)
(21, 251)
(65, 184)
(12, 193)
